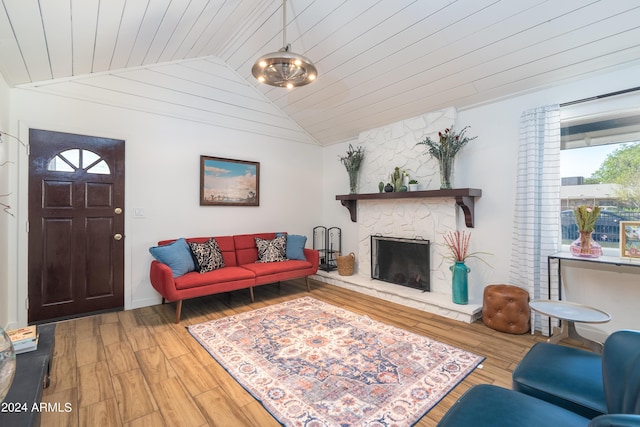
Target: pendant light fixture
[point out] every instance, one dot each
(284, 68)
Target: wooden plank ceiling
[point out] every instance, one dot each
(379, 61)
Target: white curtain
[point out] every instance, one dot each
(536, 225)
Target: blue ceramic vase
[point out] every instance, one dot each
(459, 282)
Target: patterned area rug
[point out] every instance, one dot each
(314, 364)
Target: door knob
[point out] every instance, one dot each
(118, 211)
(118, 236)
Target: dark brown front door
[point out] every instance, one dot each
(76, 224)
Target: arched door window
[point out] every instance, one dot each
(75, 158)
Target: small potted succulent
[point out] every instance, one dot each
(413, 185)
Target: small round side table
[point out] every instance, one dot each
(569, 313)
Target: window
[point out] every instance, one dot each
(75, 158)
(599, 164)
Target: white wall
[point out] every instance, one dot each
(162, 178)
(610, 288)
(490, 163)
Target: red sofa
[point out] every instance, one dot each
(240, 271)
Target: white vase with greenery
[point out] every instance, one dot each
(445, 150)
(352, 162)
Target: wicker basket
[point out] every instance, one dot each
(345, 264)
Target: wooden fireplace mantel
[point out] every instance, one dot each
(465, 198)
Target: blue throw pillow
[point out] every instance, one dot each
(295, 246)
(176, 255)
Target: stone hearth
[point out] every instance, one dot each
(431, 302)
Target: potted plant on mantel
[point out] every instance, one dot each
(352, 162)
(445, 149)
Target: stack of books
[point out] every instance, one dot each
(24, 339)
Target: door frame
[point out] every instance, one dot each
(18, 237)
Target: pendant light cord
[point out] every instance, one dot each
(284, 24)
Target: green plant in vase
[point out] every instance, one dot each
(445, 149)
(352, 162)
(586, 218)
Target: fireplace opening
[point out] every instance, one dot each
(401, 261)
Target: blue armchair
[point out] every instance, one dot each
(557, 385)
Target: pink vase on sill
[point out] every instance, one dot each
(585, 246)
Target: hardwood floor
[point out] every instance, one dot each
(138, 368)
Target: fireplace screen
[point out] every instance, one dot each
(401, 261)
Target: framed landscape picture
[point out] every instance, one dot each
(227, 182)
(630, 239)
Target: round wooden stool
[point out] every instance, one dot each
(506, 309)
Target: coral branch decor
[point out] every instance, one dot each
(458, 244)
(445, 149)
(314, 364)
(586, 218)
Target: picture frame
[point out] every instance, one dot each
(630, 239)
(229, 182)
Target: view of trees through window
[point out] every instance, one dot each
(600, 165)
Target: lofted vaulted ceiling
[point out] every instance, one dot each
(379, 61)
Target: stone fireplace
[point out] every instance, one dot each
(405, 218)
(410, 218)
(426, 219)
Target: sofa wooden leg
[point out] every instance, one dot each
(251, 293)
(178, 310)
(306, 280)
